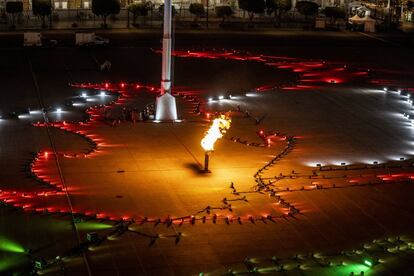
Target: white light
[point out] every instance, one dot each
(251, 95)
(230, 96)
(102, 93)
(178, 121)
(385, 89)
(221, 97)
(34, 112)
(312, 163)
(84, 95)
(399, 91)
(58, 110)
(210, 99)
(157, 121)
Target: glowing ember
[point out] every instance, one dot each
(217, 130)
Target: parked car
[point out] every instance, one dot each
(90, 39)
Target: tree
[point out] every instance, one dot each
(224, 12)
(252, 7)
(105, 8)
(43, 9)
(278, 7)
(14, 8)
(138, 9)
(335, 13)
(307, 8)
(197, 9)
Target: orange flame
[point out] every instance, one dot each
(217, 130)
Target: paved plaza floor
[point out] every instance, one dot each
(314, 176)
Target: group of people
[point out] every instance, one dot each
(132, 115)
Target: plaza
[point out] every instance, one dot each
(313, 177)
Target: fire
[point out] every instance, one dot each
(217, 130)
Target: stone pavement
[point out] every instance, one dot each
(142, 184)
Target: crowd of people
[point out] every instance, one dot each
(127, 114)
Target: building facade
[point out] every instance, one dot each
(86, 4)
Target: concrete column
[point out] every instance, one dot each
(166, 109)
(166, 49)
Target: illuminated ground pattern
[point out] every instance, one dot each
(278, 200)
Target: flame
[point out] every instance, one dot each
(217, 130)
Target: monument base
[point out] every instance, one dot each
(165, 108)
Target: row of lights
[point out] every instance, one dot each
(229, 97)
(365, 255)
(385, 89)
(58, 110)
(343, 164)
(220, 98)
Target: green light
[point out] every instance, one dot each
(343, 270)
(8, 263)
(88, 226)
(9, 246)
(368, 263)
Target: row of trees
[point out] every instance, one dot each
(196, 9)
(252, 7)
(105, 8)
(43, 9)
(276, 7)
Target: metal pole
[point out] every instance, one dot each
(206, 161)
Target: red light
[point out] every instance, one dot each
(46, 154)
(137, 86)
(106, 85)
(261, 132)
(122, 85)
(208, 115)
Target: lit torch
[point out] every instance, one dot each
(217, 130)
